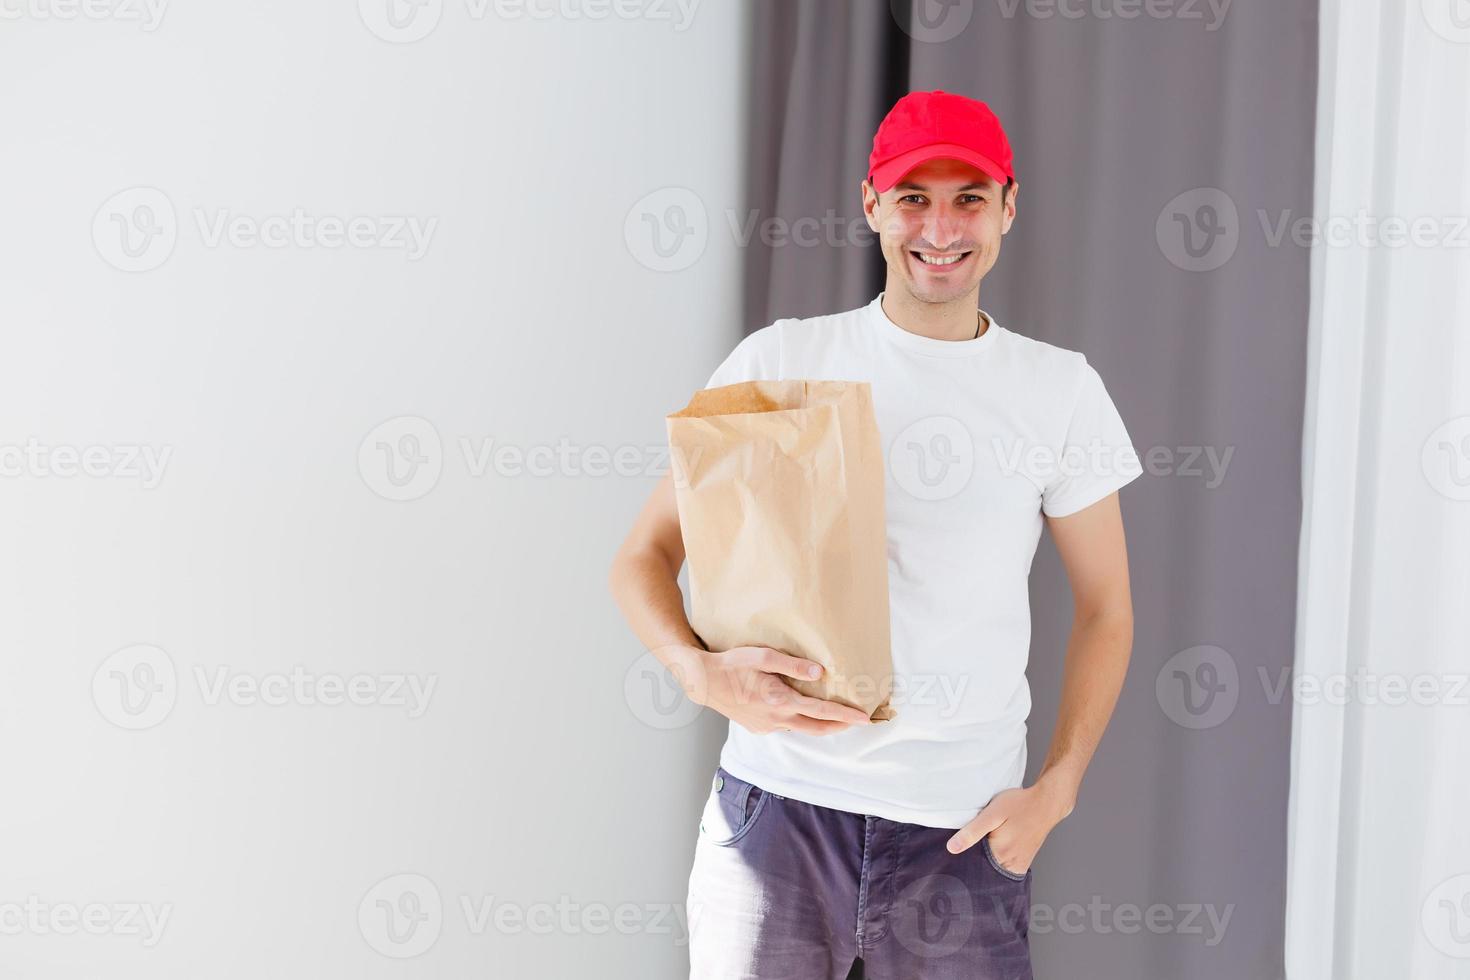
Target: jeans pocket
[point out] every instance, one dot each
(990, 856)
(733, 807)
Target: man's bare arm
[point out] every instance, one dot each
(743, 684)
(1095, 556)
(644, 577)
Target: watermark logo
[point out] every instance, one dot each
(1445, 459)
(135, 230)
(402, 458)
(1364, 229)
(1445, 916)
(656, 693)
(124, 461)
(934, 915)
(1210, 12)
(37, 917)
(933, 21)
(1366, 687)
(1450, 19)
(1198, 231)
(1103, 918)
(934, 458)
(1198, 687)
(406, 21)
(136, 687)
(401, 916)
(148, 14)
(570, 917)
(411, 692)
(400, 21)
(667, 230)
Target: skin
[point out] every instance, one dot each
(943, 207)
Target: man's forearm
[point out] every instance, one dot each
(1097, 661)
(646, 589)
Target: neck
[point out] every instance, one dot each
(955, 320)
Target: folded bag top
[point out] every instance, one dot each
(780, 493)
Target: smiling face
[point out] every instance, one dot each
(940, 228)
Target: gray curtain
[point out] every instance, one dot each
(1111, 118)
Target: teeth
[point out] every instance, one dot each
(938, 260)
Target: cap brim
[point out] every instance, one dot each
(890, 172)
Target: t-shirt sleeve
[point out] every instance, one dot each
(756, 358)
(1096, 457)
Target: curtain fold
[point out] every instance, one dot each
(1379, 850)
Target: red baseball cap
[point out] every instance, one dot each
(925, 126)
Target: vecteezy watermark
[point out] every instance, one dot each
(143, 921)
(403, 915)
(120, 461)
(148, 14)
(1199, 687)
(932, 21)
(1366, 687)
(1450, 19)
(663, 697)
(1445, 916)
(934, 915)
(1200, 229)
(137, 229)
(1445, 459)
(1363, 229)
(298, 686)
(567, 916)
(403, 459)
(406, 21)
(1101, 917)
(671, 695)
(669, 229)
(1211, 13)
(137, 687)
(933, 458)
(1045, 464)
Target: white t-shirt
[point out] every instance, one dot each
(982, 437)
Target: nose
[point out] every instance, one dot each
(943, 226)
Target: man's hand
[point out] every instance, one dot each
(744, 684)
(1017, 821)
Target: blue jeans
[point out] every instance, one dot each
(786, 890)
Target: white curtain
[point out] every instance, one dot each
(1379, 837)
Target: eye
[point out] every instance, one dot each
(971, 198)
(912, 198)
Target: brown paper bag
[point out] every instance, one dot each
(780, 493)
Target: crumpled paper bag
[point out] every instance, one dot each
(780, 493)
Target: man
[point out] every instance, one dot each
(907, 843)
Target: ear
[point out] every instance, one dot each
(870, 205)
(1010, 210)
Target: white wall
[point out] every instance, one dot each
(263, 540)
